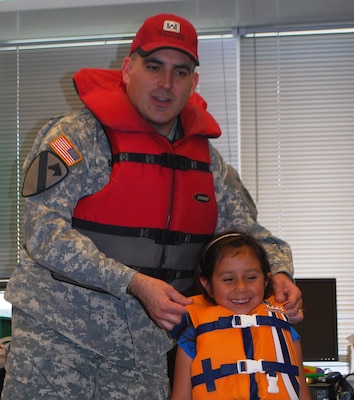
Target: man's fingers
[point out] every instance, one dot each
(167, 319)
(177, 297)
(295, 318)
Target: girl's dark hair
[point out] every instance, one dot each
(221, 246)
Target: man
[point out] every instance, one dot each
(120, 198)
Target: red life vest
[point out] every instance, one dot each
(243, 357)
(160, 196)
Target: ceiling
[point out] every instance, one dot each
(20, 19)
(17, 5)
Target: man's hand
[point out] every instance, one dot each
(285, 291)
(164, 304)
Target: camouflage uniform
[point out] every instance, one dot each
(70, 342)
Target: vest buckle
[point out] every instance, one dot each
(244, 321)
(249, 366)
(272, 383)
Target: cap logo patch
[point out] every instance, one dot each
(66, 150)
(171, 26)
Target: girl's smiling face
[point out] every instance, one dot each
(238, 282)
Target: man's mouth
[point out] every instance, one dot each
(162, 99)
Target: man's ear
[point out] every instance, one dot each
(195, 82)
(126, 69)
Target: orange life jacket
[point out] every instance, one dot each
(243, 357)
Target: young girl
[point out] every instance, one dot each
(239, 344)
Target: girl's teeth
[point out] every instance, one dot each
(239, 301)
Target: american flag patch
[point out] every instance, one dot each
(65, 150)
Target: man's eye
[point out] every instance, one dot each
(181, 73)
(152, 67)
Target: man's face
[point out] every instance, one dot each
(159, 85)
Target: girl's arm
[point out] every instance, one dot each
(182, 387)
(304, 390)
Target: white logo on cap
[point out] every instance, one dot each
(171, 26)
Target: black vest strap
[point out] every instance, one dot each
(165, 274)
(210, 375)
(235, 321)
(167, 160)
(160, 236)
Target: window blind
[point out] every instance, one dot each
(297, 153)
(36, 84)
(8, 160)
(218, 85)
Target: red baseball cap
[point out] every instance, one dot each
(166, 31)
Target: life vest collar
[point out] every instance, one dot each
(104, 93)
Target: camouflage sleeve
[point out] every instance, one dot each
(49, 238)
(237, 211)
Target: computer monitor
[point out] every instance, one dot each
(5, 307)
(318, 330)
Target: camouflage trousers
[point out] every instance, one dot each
(43, 364)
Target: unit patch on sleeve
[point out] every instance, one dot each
(45, 171)
(66, 150)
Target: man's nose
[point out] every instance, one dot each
(165, 79)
